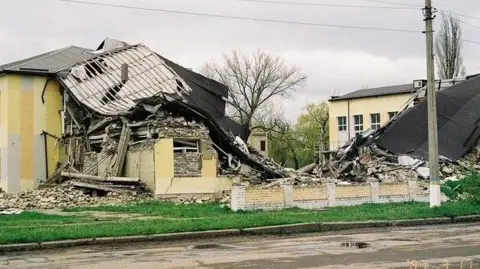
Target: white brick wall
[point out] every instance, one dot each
(253, 201)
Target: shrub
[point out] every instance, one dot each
(466, 189)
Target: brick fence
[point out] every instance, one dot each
(328, 195)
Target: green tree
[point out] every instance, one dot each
(295, 144)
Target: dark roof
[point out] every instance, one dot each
(458, 124)
(50, 62)
(206, 93)
(388, 90)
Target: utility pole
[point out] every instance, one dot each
(435, 198)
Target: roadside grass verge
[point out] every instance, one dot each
(213, 217)
(35, 218)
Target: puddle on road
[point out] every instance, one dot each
(208, 246)
(355, 244)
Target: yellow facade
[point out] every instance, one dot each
(166, 182)
(24, 120)
(361, 106)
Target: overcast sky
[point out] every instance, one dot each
(341, 60)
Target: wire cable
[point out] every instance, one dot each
(326, 5)
(243, 18)
(392, 3)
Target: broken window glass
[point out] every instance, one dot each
(342, 123)
(375, 121)
(358, 123)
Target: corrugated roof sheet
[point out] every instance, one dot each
(97, 83)
(388, 90)
(50, 62)
(458, 124)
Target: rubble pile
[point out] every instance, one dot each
(224, 198)
(367, 163)
(64, 196)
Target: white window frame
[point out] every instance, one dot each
(375, 121)
(358, 126)
(342, 127)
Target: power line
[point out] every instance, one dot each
(461, 21)
(244, 18)
(391, 3)
(470, 41)
(326, 5)
(461, 15)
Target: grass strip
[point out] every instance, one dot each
(216, 218)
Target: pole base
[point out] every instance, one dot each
(435, 196)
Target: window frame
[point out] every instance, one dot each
(375, 125)
(342, 127)
(358, 127)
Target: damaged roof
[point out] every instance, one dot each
(458, 124)
(381, 91)
(50, 62)
(98, 82)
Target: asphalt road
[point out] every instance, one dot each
(433, 246)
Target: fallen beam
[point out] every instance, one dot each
(98, 178)
(307, 169)
(84, 185)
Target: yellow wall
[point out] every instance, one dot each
(167, 183)
(23, 119)
(365, 107)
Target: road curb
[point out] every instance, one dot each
(278, 229)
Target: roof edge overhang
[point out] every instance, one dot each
(27, 72)
(364, 97)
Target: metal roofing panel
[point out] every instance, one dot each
(50, 62)
(97, 82)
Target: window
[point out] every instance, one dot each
(392, 114)
(263, 145)
(184, 145)
(358, 123)
(375, 121)
(342, 123)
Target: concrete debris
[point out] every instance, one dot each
(64, 196)
(223, 198)
(11, 211)
(362, 161)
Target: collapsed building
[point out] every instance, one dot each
(399, 150)
(120, 118)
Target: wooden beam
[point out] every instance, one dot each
(99, 178)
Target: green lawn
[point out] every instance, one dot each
(36, 227)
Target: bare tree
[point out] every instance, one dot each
(253, 81)
(448, 47)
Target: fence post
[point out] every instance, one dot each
(237, 201)
(331, 194)
(413, 190)
(375, 191)
(288, 194)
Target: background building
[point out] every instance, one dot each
(364, 109)
(259, 140)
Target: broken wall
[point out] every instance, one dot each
(187, 164)
(30, 121)
(168, 182)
